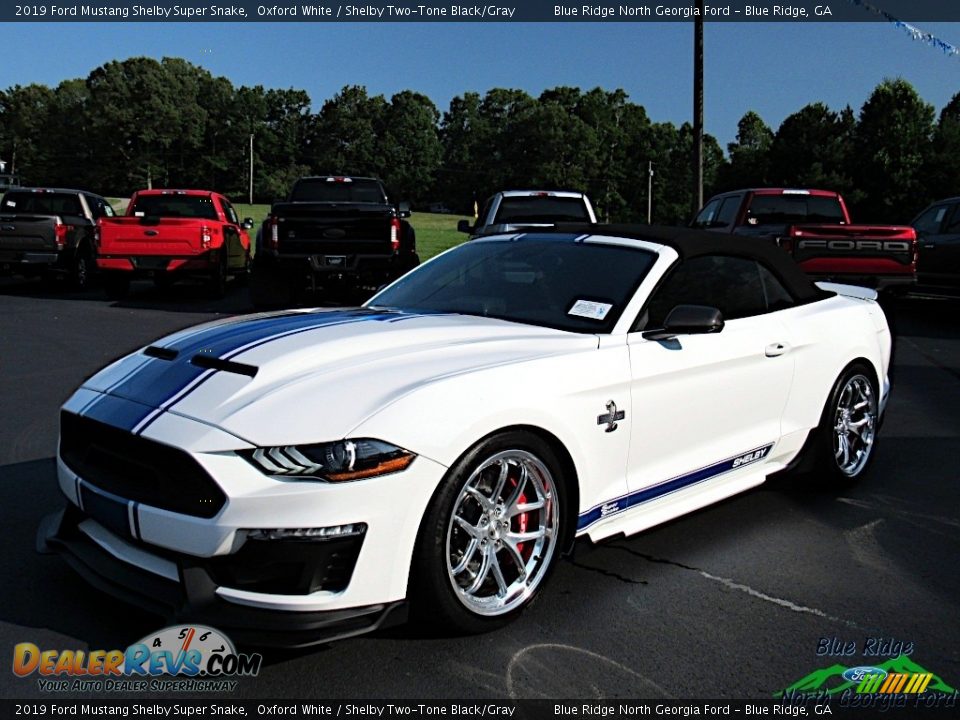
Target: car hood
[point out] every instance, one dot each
(311, 376)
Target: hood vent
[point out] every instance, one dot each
(161, 353)
(212, 363)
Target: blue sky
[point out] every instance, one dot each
(773, 68)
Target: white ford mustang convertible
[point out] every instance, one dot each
(305, 475)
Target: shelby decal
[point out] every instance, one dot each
(750, 457)
(668, 486)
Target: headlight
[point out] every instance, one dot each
(335, 462)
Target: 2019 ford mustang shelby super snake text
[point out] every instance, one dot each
(299, 476)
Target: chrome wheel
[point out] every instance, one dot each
(854, 425)
(502, 532)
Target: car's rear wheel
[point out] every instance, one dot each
(848, 428)
(491, 534)
(81, 268)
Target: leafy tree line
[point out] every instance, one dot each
(142, 122)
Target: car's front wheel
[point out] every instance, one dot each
(491, 534)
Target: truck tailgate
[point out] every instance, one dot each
(151, 236)
(864, 248)
(333, 228)
(28, 233)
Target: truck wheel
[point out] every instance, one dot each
(116, 285)
(80, 269)
(217, 284)
(269, 288)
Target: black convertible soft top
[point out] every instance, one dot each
(690, 243)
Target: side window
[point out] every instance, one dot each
(727, 214)
(929, 222)
(106, 209)
(953, 225)
(738, 287)
(230, 212)
(707, 216)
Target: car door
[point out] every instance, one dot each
(231, 232)
(699, 401)
(932, 232)
(939, 262)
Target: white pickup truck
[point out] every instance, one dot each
(514, 210)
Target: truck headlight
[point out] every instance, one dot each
(335, 462)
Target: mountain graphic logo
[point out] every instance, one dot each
(830, 680)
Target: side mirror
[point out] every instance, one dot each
(403, 209)
(464, 226)
(247, 224)
(688, 320)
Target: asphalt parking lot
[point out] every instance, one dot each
(730, 602)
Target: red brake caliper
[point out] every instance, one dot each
(522, 519)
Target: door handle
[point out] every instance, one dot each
(776, 349)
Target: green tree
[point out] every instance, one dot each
(411, 146)
(814, 148)
(942, 171)
(749, 164)
(24, 111)
(346, 131)
(892, 140)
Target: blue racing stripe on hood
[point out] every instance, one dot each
(159, 383)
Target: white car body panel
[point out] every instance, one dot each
(706, 416)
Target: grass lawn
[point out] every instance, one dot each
(435, 232)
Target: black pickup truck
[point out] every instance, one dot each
(50, 232)
(334, 234)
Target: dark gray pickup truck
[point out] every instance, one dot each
(50, 232)
(334, 233)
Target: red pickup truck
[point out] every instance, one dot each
(815, 228)
(169, 234)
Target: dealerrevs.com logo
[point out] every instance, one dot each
(189, 658)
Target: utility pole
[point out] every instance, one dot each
(649, 191)
(251, 169)
(697, 200)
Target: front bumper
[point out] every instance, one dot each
(134, 530)
(187, 590)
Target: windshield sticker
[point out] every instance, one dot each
(11, 203)
(589, 309)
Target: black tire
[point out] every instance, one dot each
(217, 282)
(827, 463)
(269, 288)
(116, 285)
(81, 269)
(443, 540)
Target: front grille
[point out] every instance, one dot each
(136, 468)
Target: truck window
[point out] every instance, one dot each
(727, 214)
(540, 208)
(707, 216)
(230, 213)
(930, 220)
(794, 210)
(41, 203)
(175, 206)
(346, 191)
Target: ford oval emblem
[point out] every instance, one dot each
(334, 233)
(151, 233)
(857, 674)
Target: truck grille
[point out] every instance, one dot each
(136, 468)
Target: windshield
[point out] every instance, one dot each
(175, 206)
(540, 208)
(539, 280)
